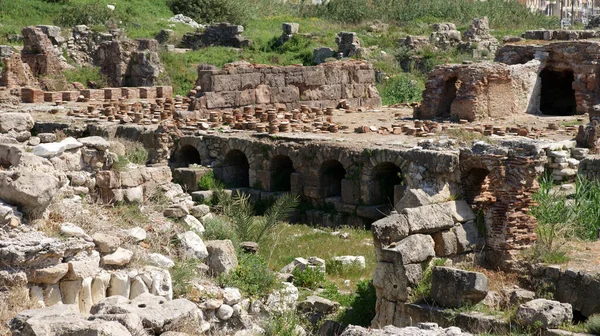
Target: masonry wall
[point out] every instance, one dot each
(243, 84)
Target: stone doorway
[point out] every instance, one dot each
(475, 184)
(331, 174)
(447, 97)
(557, 96)
(234, 172)
(282, 168)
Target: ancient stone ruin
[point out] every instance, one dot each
(221, 34)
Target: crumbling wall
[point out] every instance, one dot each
(478, 91)
(242, 84)
(220, 34)
(580, 58)
(129, 63)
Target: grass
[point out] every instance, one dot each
(308, 242)
(423, 290)
(252, 276)
(465, 136)
(14, 301)
(592, 325)
(183, 274)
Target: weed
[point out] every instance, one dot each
(207, 181)
(402, 88)
(217, 228)
(466, 136)
(310, 277)
(135, 152)
(85, 75)
(423, 289)
(121, 164)
(338, 269)
(592, 325)
(252, 276)
(13, 301)
(90, 13)
(183, 273)
(283, 324)
(361, 309)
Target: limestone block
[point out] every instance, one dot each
(275, 80)
(221, 256)
(452, 288)
(285, 94)
(99, 287)
(106, 243)
(413, 249)
(250, 80)
(131, 178)
(467, 237)
(85, 296)
(193, 245)
(390, 282)
(445, 243)
(48, 275)
(138, 287)
(52, 295)
(390, 229)
(226, 83)
(84, 265)
(428, 218)
(550, 314)
(120, 257)
(119, 284)
(69, 290)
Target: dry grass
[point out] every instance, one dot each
(292, 241)
(12, 302)
(497, 279)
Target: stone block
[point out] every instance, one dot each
(429, 218)
(285, 94)
(275, 80)
(250, 80)
(445, 243)
(413, 249)
(246, 97)
(296, 184)
(226, 83)
(130, 93)
(453, 288)
(221, 99)
(263, 94)
(547, 313)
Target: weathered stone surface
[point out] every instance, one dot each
(390, 229)
(451, 287)
(445, 243)
(193, 245)
(48, 275)
(318, 304)
(429, 218)
(15, 122)
(416, 248)
(157, 313)
(106, 243)
(550, 314)
(62, 320)
(423, 329)
(221, 256)
(120, 257)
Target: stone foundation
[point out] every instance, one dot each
(243, 84)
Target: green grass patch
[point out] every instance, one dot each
(253, 277)
(402, 88)
(183, 273)
(311, 278)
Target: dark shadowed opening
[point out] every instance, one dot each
(474, 183)
(387, 175)
(235, 170)
(184, 157)
(447, 96)
(331, 174)
(281, 169)
(558, 96)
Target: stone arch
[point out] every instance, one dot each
(282, 169)
(331, 174)
(185, 156)
(234, 171)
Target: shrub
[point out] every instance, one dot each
(217, 228)
(402, 88)
(252, 276)
(207, 181)
(592, 325)
(362, 307)
(120, 164)
(136, 153)
(209, 11)
(347, 11)
(89, 13)
(311, 278)
(423, 289)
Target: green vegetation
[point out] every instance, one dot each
(423, 290)
(403, 88)
(183, 273)
(136, 153)
(85, 75)
(361, 306)
(311, 278)
(592, 325)
(207, 181)
(283, 324)
(217, 228)
(209, 11)
(252, 276)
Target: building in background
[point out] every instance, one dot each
(582, 9)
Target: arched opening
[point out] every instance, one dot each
(185, 156)
(557, 96)
(447, 96)
(235, 170)
(281, 172)
(386, 175)
(331, 174)
(475, 184)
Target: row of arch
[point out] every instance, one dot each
(234, 172)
